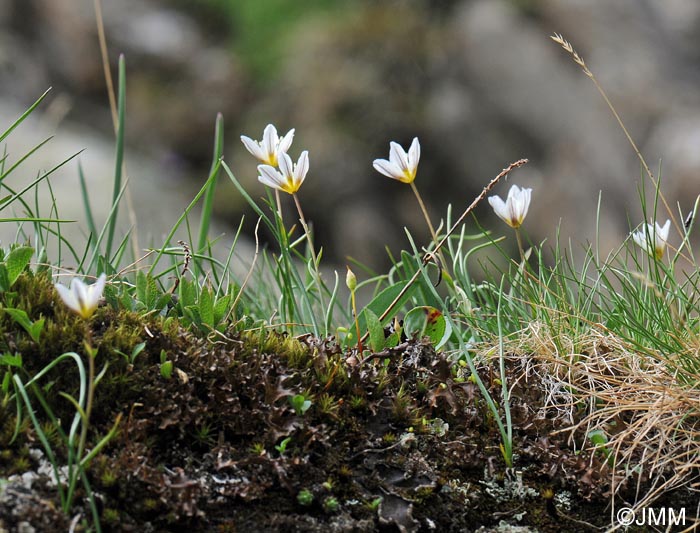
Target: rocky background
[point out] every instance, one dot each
(478, 81)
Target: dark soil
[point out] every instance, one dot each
(402, 441)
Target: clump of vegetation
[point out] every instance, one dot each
(177, 396)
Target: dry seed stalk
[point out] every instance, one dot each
(566, 45)
(430, 256)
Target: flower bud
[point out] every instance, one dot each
(351, 280)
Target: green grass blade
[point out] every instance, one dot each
(119, 159)
(89, 219)
(208, 205)
(24, 115)
(187, 210)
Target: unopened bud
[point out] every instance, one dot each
(351, 280)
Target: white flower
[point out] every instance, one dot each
(267, 150)
(287, 178)
(81, 298)
(653, 238)
(514, 210)
(400, 165)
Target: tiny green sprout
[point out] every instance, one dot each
(328, 484)
(110, 516)
(374, 504)
(305, 497)
(282, 446)
(135, 352)
(166, 369)
(600, 441)
(300, 404)
(331, 504)
(357, 402)
(258, 448)
(389, 438)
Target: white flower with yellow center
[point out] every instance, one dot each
(514, 210)
(400, 166)
(81, 298)
(653, 238)
(267, 150)
(288, 178)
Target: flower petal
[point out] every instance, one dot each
(662, 231)
(414, 155)
(285, 164)
(301, 168)
(271, 177)
(388, 168)
(270, 140)
(68, 297)
(286, 141)
(500, 208)
(253, 147)
(398, 156)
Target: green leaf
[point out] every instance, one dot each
(383, 300)
(221, 308)
(20, 316)
(206, 307)
(376, 331)
(36, 329)
(17, 261)
(11, 360)
(188, 293)
(166, 369)
(426, 321)
(136, 351)
(33, 328)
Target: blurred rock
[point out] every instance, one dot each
(478, 81)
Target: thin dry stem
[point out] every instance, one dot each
(566, 45)
(428, 257)
(115, 120)
(250, 270)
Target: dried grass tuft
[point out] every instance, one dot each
(648, 407)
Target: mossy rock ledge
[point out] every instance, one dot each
(400, 441)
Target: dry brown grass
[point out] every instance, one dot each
(648, 407)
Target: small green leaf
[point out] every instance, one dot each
(221, 308)
(17, 261)
(426, 321)
(377, 342)
(136, 351)
(20, 316)
(33, 328)
(206, 307)
(11, 360)
(36, 329)
(300, 403)
(383, 300)
(188, 293)
(166, 369)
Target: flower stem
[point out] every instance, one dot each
(357, 324)
(91, 353)
(425, 212)
(519, 238)
(309, 239)
(279, 206)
